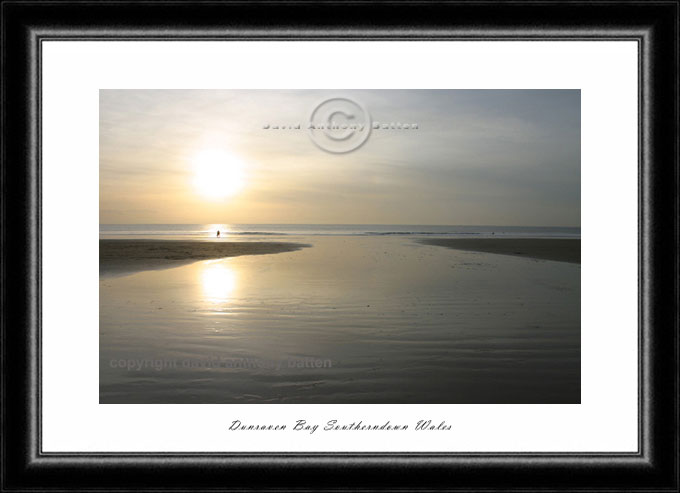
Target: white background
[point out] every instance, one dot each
(73, 73)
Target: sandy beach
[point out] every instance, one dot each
(126, 256)
(559, 250)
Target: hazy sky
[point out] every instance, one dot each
(477, 158)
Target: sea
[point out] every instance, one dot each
(254, 231)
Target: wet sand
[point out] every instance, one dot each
(118, 257)
(559, 250)
(391, 321)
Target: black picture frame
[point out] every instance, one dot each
(653, 24)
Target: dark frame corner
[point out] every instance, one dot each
(655, 24)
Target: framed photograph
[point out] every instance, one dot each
(348, 246)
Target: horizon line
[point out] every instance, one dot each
(349, 224)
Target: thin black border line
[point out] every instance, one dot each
(37, 44)
(3, 241)
(363, 3)
(642, 437)
(314, 35)
(642, 89)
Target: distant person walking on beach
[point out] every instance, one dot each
(218, 233)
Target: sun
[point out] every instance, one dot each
(217, 174)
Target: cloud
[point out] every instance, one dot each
(502, 157)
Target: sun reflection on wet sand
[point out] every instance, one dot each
(218, 280)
